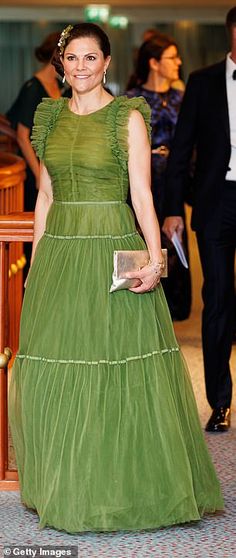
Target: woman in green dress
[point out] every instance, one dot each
(102, 412)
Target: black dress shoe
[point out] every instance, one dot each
(219, 420)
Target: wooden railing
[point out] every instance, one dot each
(16, 227)
(12, 175)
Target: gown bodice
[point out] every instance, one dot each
(87, 159)
(86, 155)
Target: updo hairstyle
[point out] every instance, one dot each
(78, 31)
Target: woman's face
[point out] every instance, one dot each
(169, 63)
(84, 64)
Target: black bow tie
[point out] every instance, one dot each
(234, 74)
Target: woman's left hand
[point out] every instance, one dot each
(149, 276)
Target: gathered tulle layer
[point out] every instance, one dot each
(102, 412)
(72, 279)
(94, 220)
(110, 447)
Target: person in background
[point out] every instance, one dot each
(44, 83)
(133, 81)
(157, 66)
(150, 34)
(207, 122)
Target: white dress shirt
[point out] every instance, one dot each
(231, 96)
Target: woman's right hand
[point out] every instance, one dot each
(149, 276)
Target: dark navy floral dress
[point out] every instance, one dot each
(165, 108)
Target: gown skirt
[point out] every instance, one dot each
(102, 412)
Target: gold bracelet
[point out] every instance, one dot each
(157, 267)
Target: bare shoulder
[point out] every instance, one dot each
(136, 116)
(136, 121)
(138, 138)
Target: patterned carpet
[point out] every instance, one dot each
(214, 536)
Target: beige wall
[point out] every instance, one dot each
(225, 4)
(137, 11)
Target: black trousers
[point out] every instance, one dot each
(217, 243)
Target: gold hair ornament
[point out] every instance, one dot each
(64, 36)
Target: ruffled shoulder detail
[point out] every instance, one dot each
(118, 124)
(45, 117)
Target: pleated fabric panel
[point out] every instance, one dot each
(102, 411)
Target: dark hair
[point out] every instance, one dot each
(78, 31)
(231, 18)
(151, 49)
(45, 51)
(149, 34)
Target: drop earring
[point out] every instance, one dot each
(104, 77)
(64, 79)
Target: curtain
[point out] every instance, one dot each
(199, 45)
(17, 61)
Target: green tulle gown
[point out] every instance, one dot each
(102, 412)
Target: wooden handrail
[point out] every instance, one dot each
(12, 175)
(14, 227)
(12, 170)
(10, 163)
(17, 227)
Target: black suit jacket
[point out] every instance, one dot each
(203, 124)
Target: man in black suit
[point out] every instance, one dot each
(207, 123)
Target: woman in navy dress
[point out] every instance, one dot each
(157, 68)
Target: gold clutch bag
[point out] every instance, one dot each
(131, 260)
